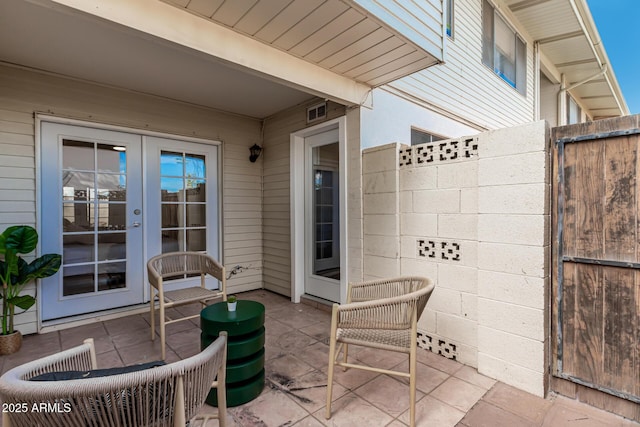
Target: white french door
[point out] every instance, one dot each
(183, 181)
(92, 215)
(111, 200)
(322, 215)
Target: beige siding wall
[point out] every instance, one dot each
(24, 92)
(276, 193)
(466, 88)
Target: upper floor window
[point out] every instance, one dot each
(574, 112)
(422, 137)
(503, 50)
(449, 22)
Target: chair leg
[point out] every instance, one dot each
(152, 313)
(412, 391)
(332, 360)
(162, 330)
(345, 350)
(221, 388)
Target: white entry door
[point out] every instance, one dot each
(92, 215)
(322, 216)
(110, 201)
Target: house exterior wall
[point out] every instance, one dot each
(393, 116)
(24, 92)
(463, 86)
(472, 214)
(276, 192)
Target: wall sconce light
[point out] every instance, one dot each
(255, 150)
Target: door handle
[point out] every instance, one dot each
(135, 224)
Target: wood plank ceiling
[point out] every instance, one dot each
(327, 33)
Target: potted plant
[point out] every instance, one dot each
(231, 303)
(15, 273)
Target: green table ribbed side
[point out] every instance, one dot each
(245, 348)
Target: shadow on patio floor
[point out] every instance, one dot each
(449, 393)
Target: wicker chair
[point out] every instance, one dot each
(167, 395)
(174, 265)
(381, 314)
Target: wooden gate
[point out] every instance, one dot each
(596, 263)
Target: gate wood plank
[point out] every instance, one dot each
(570, 201)
(590, 192)
(589, 323)
(569, 356)
(619, 329)
(620, 199)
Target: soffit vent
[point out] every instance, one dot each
(317, 112)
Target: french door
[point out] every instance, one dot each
(110, 200)
(322, 216)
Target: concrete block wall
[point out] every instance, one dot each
(513, 255)
(472, 214)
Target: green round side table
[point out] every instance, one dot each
(245, 348)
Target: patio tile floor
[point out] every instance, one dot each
(449, 393)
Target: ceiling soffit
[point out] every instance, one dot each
(371, 42)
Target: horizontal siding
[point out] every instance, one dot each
(276, 193)
(464, 86)
(22, 93)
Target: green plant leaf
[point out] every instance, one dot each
(44, 266)
(24, 302)
(21, 238)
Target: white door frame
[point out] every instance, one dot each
(41, 117)
(297, 190)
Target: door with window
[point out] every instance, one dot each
(183, 191)
(322, 216)
(110, 200)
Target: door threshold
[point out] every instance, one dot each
(89, 318)
(316, 302)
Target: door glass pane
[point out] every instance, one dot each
(196, 240)
(112, 246)
(112, 275)
(78, 248)
(172, 241)
(78, 279)
(112, 216)
(171, 215)
(93, 206)
(111, 158)
(78, 155)
(183, 183)
(171, 189)
(195, 166)
(326, 238)
(196, 215)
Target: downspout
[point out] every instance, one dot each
(562, 105)
(536, 81)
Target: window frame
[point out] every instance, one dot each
(433, 137)
(490, 15)
(449, 25)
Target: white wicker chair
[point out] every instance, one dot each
(381, 314)
(181, 264)
(167, 395)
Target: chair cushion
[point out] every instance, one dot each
(79, 375)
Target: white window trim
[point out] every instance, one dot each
(498, 13)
